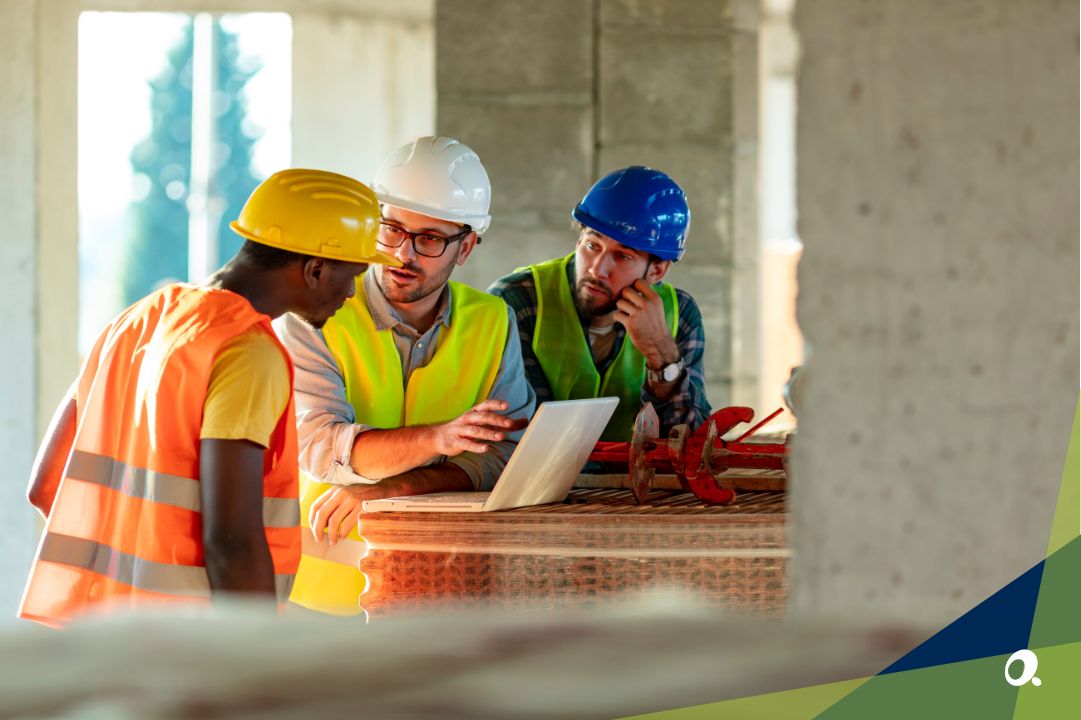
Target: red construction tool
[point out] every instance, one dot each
(699, 459)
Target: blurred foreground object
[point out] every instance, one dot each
(653, 654)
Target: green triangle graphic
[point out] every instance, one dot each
(1058, 607)
(799, 704)
(1067, 524)
(1059, 693)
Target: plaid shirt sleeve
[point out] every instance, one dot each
(520, 293)
(688, 404)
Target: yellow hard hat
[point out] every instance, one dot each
(314, 212)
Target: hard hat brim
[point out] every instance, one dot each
(636, 243)
(477, 223)
(378, 258)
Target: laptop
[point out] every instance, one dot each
(552, 451)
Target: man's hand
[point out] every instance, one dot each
(472, 431)
(335, 512)
(641, 310)
(386, 453)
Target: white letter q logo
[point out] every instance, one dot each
(1028, 668)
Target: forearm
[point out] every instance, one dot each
(686, 404)
(234, 540)
(238, 562)
(379, 454)
(48, 468)
(485, 468)
(444, 477)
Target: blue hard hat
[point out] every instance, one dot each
(639, 207)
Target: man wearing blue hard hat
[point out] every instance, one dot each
(601, 322)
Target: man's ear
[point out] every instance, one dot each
(657, 271)
(312, 270)
(467, 244)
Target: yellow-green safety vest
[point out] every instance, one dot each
(564, 355)
(460, 375)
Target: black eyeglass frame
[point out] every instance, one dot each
(414, 235)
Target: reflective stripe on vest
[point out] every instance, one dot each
(164, 488)
(126, 525)
(461, 374)
(563, 352)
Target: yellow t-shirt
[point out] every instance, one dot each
(248, 391)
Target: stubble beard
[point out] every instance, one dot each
(425, 287)
(589, 306)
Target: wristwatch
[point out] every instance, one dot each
(668, 373)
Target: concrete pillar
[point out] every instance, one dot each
(938, 205)
(18, 257)
(57, 34)
(348, 121)
(562, 92)
(515, 81)
(666, 100)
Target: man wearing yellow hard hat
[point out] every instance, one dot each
(170, 473)
(417, 384)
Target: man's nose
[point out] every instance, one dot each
(600, 268)
(405, 251)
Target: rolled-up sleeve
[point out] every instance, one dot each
(511, 387)
(326, 423)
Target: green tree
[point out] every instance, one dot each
(158, 249)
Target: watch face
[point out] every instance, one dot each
(670, 372)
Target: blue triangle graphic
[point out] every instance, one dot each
(1000, 625)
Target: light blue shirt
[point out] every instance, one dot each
(326, 421)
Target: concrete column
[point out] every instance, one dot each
(938, 204)
(666, 100)
(515, 83)
(57, 35)
(18, 257)
(348, 121)
(559, 93)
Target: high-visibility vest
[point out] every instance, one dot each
(564, 355)
(461, 374)
(126, 526)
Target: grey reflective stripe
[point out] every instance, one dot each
(188, 580)
(136, 482)
(281, 512)
(166, 489)
(283, 587)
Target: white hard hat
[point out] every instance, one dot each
(439, 177)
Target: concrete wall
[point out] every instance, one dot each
(18, 363)
(558, 93)
(938, 204)
(364, 84)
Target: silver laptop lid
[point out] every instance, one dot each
(551, 453)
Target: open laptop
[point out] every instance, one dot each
(552, 451)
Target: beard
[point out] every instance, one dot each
(420, 287)
(592, 306)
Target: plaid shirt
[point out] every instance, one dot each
(688, 403)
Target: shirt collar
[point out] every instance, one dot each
(385, 316)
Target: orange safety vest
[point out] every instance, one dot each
(126, 525)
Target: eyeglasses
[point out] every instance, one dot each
(425, 244)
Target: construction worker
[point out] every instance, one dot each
(170, 472)
(600, 321)
(416, 385)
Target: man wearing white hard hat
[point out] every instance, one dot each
(417, 384)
